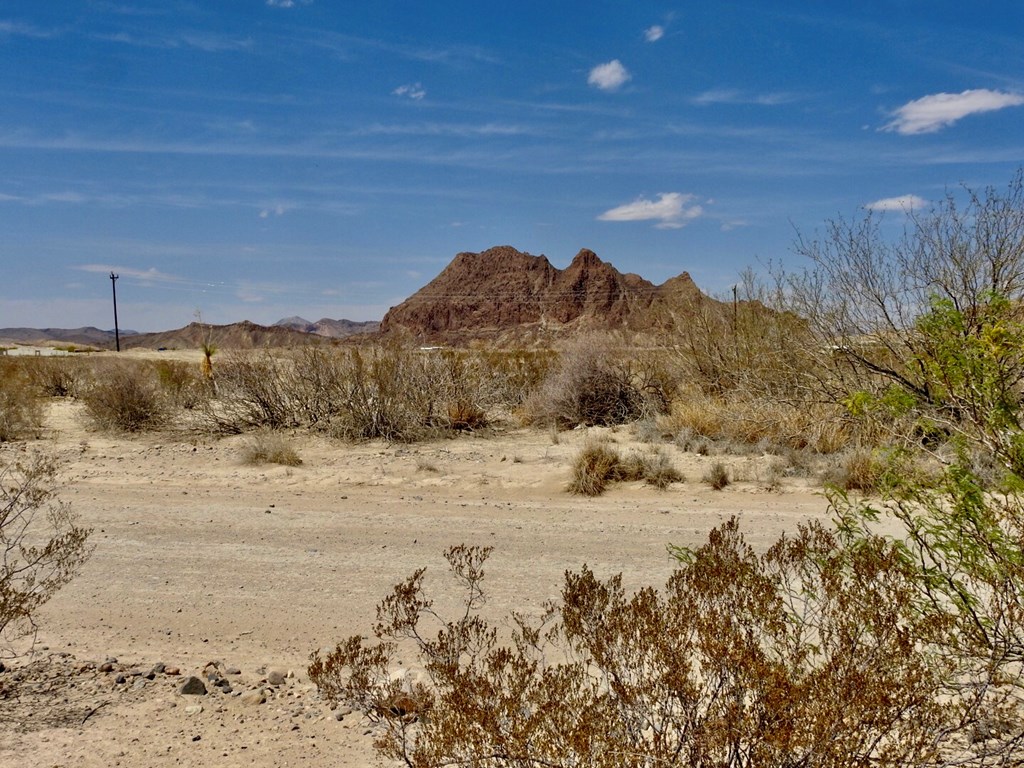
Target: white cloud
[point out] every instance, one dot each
(672, 210)
(903, 203)
(281, 3)
(654, 34)
(414, 91)
(931, 113)
(608, 76)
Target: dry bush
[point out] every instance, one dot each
(510, 377)
(58, 376)
(254, 390)
(21, 412)
(41, 547)
(593, 384)
(270, 448)
(802, 656)
(717, 476)
(184, 383)
(594, 468)
(389, 394)
(126, 397)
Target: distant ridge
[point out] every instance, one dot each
(502, 293)
(335, 329)
(293, 331)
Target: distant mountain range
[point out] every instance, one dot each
(291, 331)
(500, 295)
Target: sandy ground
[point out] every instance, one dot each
(201, 558)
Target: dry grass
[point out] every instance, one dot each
(270, 448)
(594, 469)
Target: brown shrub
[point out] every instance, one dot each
(799, 656)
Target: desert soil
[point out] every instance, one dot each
(200, 558)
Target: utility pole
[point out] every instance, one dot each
(117, 333)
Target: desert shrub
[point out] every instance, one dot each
(717, 476)
(254, 390)
(510, 377)
(591, 385)
(185, 385)
(270, 448)
(21, 412)
(389, 394)
(126, 398)
(799, 656)
(594, 468)
(57, 376)
(42, 547)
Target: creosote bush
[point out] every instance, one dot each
(42, 547)
(804, 655)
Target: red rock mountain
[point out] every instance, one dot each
(502, 291)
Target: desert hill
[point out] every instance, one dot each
(502, 292)
(243, 335)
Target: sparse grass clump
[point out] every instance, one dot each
(594, 469)
(717, 476)
(653, 466)
(599, 464)
(126, 398)
(270, 448)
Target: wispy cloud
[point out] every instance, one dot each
(903, 203)
(19, 29)
(287, 3)
(735, 96)
(940, 110)
(610, 76)
(414, 91)
(672, 210)
(654, 34)
(149, 276)
(202, 41)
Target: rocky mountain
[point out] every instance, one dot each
(503, 291)
(335, 329)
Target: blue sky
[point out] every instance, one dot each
(255, 159)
